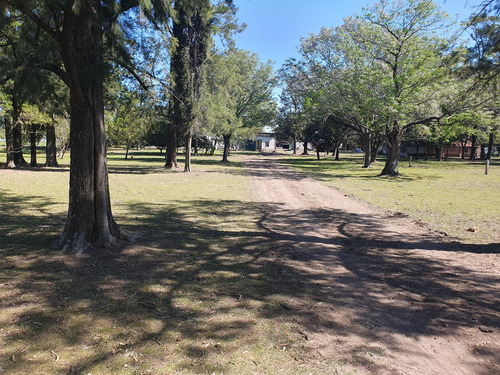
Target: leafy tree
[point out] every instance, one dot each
(34, 120)
(76, 30)
(403, 38)
(345, 84)
(237, 95)
(194, 22)
(290, 120)
(127, 116)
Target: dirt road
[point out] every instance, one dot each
(381, 293)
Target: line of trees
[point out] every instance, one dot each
(130, 72)
(395, 72)
(99, 72)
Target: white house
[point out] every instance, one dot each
(266, 142)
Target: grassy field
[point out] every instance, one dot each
(451, 196)
(196, 292)
(193, 294)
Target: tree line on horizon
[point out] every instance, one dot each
(399, 71)
(127, 72)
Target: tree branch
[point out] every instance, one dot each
(130, 70)
(20, 6)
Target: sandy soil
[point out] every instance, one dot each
(382, 293)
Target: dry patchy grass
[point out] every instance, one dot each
(197, 292)
(450, 196)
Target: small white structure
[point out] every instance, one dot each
(266, 142)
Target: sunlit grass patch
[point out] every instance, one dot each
(190, 294)
(451, 196)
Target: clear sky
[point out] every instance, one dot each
(274, 27)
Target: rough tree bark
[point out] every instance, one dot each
(393, 151)
(294, 144)
(9, 142)
(305, 152)
(367, 149)
(227, 139)
(375, 145)
(50, 150)
(171, 149)
(90, 221)
(189, 140)
(17, 136)
(473, 148)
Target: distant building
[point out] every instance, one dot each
(266, 142)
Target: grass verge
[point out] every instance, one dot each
(197, 292)
(451, 196)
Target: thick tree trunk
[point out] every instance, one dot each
(393, 151)
(464, 145)
(375, 145)
(90, 221)
(317, 153)
(305, 152)
(439, 153)
(473, 148)
(187, 162)
(367, 150)
(17, 135)
(171, 150)
(337, 153)
(227, 139)
(490, 146)
(9, 142)
(50, 150)
(294, 144)
(33, 161)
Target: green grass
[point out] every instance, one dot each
(169, 302)
(451, 196)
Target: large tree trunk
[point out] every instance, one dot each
(393, 151)
(367, 149)
(464, 145)
(33, 161)
(227, 139)
(473, 148)
(439, 152)
(90, 221)
(187, 162)
(171, 150)
(50, 150)
(305, 152)
(337, 152)
(9, 142)
(17, 136)
(375, 145)
(294, 144)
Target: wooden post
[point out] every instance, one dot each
(487, 166)
(410, 162)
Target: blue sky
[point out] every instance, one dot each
(274, 27)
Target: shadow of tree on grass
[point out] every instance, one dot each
(208, 286)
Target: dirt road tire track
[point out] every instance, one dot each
(378, 291)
